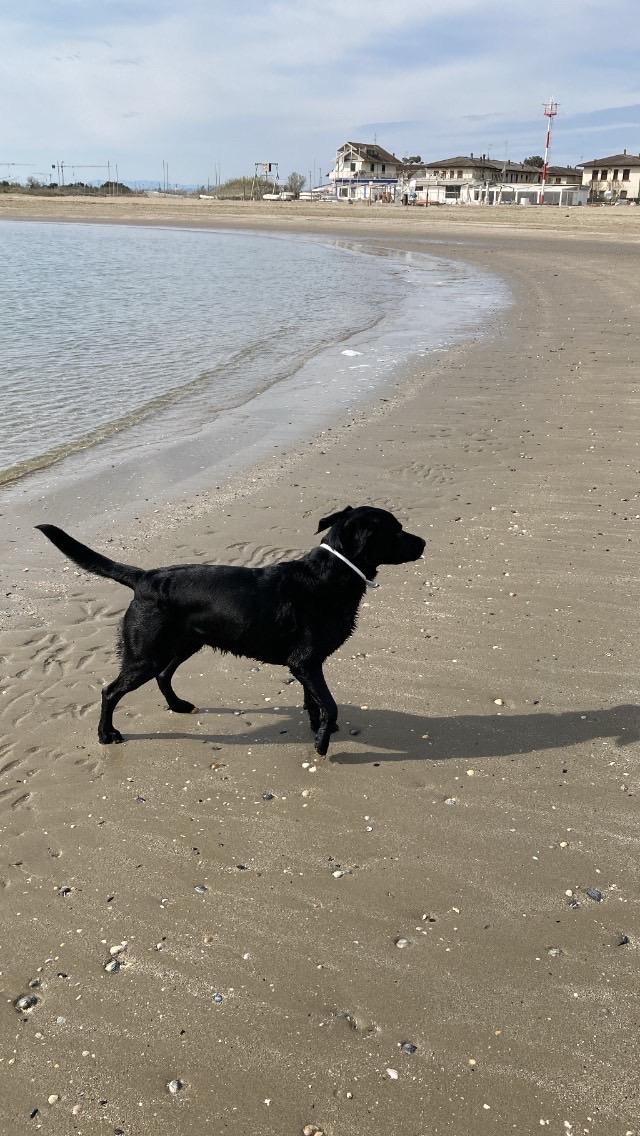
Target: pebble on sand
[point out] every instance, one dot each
(25, 1003)
(175, 1085)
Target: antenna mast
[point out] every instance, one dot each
(550, 110)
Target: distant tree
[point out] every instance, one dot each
(33, 183)
(414, 160)
(114, 188)
(534, 160)
(296, 183)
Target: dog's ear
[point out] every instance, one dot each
(327, 522)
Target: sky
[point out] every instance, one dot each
(211, 87)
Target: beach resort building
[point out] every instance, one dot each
(364, 171)
(483, 181)
(616, 178)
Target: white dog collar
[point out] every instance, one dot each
(369, 583)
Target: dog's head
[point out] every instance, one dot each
(370, 537)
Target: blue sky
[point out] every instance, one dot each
(207, 85)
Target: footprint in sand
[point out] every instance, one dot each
(20, 802)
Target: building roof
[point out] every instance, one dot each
(623, 159)
(370, 150)
(463, 162)
(563, 171)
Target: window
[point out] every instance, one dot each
(383, 167)
(615, 175)
(594, 175)
(372, 166)
(353, 167)
(625, 175)
(603, 175)
(459, 173)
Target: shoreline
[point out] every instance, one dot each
(148, 468)
(461, 824)
(588, 221)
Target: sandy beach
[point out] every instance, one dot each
(436, 930)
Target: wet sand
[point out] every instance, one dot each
(483, 783)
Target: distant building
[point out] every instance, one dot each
(616, 178)
(454, 174)
(467, 180)
(563, 175)
(364, 171)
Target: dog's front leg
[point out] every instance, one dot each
(320, 704)
(312, 709)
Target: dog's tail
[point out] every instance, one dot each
(89, 560)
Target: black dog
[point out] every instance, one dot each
(295, 614)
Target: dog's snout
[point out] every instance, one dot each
(412, 546)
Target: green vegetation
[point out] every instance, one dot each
(74, 189)
(239, 189)
(296, 183)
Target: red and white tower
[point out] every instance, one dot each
(550, 110)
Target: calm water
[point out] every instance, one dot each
(106, 327)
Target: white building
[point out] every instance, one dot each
(364, 171)
(482, 181)
(616, 178)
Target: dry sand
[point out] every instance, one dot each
(471, 828)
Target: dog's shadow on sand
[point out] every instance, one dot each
(391, 735)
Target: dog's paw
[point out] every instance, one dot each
(110, 737)
(181, 706)
(322, 744)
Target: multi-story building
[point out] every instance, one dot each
(616, 178)
(364, 171)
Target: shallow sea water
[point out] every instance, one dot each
(128, 336)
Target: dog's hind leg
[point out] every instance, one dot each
(148, 647)
(178, 705)
(316, 689)
(131, 676)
